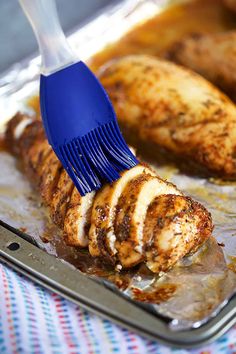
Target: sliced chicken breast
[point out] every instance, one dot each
(34, 159)
(78, 219)
(15, 129)
(130, 216)
(101, 234)
(122, 227)
(61, 198)
(174, 225)
(20, 128)
(49, 176)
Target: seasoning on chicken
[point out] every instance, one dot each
(78, 219)
(211, 55)
(175, 110)
(170, 215)
(132, 209)
(61, 197)
(116, 222)
(49, 175)
(102, 235)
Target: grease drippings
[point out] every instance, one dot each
(162, 293)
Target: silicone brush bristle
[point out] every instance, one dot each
(82, 128)
(102, 150)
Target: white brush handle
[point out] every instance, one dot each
(53, 46)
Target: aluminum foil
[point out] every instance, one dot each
(200, 285)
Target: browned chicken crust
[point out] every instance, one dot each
(174, 109)
(130, 218)
(211, 55)
(119, 221)
(168, 215)
(62, 194)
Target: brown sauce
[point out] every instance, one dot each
(162, 293)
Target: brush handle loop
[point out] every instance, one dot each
(55, 51)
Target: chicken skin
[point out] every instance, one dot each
(211, 55)
(175, 110)
(119, 223)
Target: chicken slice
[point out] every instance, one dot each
(164, 106)
(49, 175)
(25, 136)
(17, 129)
(101, 234)
(33, 160)
(211, 55)
(174, 225)
(130, 216)
(61, 198)
(78, 218)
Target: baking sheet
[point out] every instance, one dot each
(199, 285)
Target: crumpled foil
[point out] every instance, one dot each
(198, 286)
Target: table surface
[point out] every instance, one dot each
(17, 40)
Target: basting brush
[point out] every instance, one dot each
(78, 117)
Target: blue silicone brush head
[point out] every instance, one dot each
(82, 128)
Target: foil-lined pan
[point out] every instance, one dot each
(200, 285)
